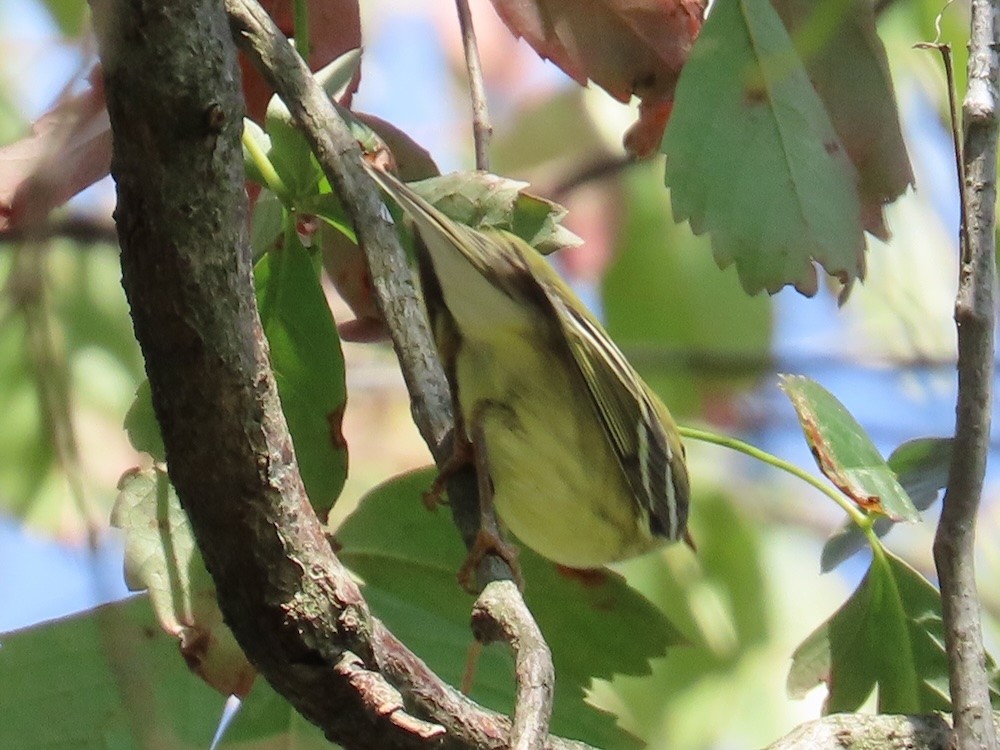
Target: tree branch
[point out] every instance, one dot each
(481, 127)
(176, 114)
(954, 542)
(891, 732)
(82, 229)
(500, 615)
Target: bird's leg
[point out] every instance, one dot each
(462, 455)
(489, 538)
(447, 338)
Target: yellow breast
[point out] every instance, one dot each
(557, 484)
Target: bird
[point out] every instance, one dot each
(581, 460)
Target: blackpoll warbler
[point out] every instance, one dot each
(584, 462)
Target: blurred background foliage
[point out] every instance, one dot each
(69, 368)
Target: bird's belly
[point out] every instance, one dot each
(557, 484)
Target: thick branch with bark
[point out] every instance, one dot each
(176, 113)
(954, 543)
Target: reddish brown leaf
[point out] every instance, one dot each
(69, 148)
(335, 28)
(627, 47)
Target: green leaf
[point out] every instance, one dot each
(721, 598)
(921, 466)
(308, 366)
(107, 678)
(844, 452)
(408, 556)
(753, 159)
(117, 681)
(327, 206)
(266, 223)
(847, 66)
(69, 15)
(480, 199)
(291, 158)
(141, 425)
(889, 634)
(289, 151)
(669, 308)
(161, 557)
(83, 315)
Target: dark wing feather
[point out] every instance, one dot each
(631, 419)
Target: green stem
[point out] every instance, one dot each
(300, 9)
(861, 519)
(271, 177)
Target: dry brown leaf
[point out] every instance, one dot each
(627, 47)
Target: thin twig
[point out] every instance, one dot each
(954, 542)
(500, 614)
(481, 128)
(599, 169)
(88, 230)
(340, 158)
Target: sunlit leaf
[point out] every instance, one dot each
(845, 453)
(482, 200)
(162, 558)
(110, 678)
(889, 634)
(753, 159)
